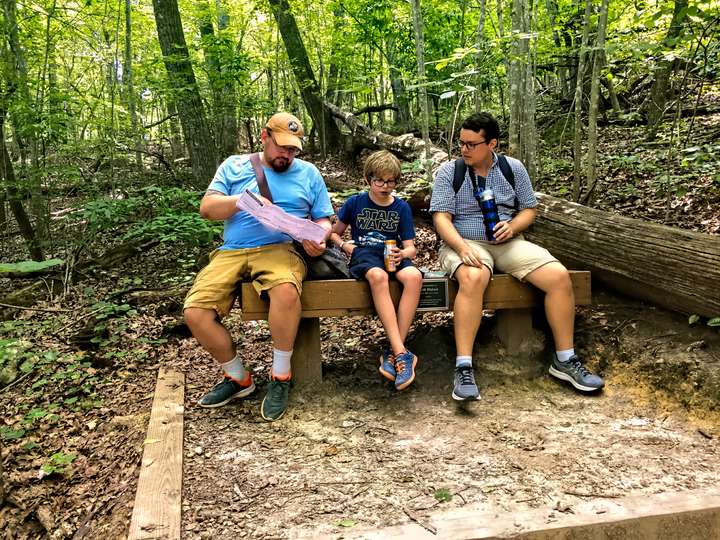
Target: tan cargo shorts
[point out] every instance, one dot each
(215, 286)
(517, 257)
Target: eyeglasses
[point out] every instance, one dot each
(292, 150)
(379, 182)
(470, 145)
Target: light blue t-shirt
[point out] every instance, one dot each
(299, 191)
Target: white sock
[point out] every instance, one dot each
(281, 364)
(463, 361)
(564, 356)
(234, 369)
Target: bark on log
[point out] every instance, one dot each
(667, 266)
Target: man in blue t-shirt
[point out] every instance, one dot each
(256, 253)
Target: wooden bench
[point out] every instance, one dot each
(511, 298)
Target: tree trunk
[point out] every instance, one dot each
(661, 84)
(594, 97)
(479, 33)
(667, 266)
(330, 136)
(129, 88)
(422, 90)
(580, 77)
(186, 95)
(523, 139)
(401, 113)
(17, 84)
(221, 83)
(7, 175)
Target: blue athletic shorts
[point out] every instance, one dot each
(365, 258)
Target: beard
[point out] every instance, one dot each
(280, 164)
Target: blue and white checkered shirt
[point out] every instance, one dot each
(467, 216)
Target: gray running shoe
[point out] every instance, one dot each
(227, 390)
(465, 388)
(574, 372)
(276, 400)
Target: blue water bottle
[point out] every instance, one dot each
(490, 212)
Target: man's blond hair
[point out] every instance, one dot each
(380, 163)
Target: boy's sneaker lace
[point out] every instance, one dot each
(405, 367)
(387, 365)
(465, 388)
(275, 402)
(227, 390)
(574, 372)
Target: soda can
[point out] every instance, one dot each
(389, 260)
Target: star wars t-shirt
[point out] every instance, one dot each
(372, 224)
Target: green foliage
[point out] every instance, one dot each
(443, 495)
(715, 322)
(57, 463)
(30, 266)
(167, 214)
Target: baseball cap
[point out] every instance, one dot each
(286, 129)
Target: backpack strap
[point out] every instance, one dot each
(260, 177)
(459, 175)
(505, 169)
(509, 175)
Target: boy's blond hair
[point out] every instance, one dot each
(382, 162)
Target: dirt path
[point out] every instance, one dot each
(353, 453)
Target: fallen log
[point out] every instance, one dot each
(407, 146)
(668, 266)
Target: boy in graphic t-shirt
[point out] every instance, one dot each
(374, 217)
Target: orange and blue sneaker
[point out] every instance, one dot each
(227, 390)
(387, 365)
(405, 369)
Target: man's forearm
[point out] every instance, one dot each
(448, 233)
(523, 220)
(218, 207)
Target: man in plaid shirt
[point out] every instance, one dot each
(469, 257)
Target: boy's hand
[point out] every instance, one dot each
(397, 254)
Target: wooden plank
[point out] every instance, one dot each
(306, 358)
(157, 509)
(690, 515)
(347, 297)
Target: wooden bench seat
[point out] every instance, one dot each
(348, 297)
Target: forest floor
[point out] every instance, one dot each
(353, 453)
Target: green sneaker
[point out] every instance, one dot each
(227, 390)
(276, 400)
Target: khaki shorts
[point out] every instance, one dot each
(517, 257)
(215, 286)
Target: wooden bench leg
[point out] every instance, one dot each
(306, 359)
(514, 326)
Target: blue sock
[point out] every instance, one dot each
(564, 356)
(462, 361)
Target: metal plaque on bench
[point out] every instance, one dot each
(434, 295)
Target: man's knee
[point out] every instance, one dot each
(196, 317)
(554, 277)
(285, 294)
(473, 279)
